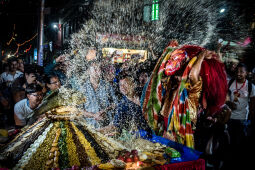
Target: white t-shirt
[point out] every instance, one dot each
(242, 111)
(9, 78)
(21, 112)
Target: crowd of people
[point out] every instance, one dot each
(115, 96)
(23, 87)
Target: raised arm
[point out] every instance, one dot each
(194, 73)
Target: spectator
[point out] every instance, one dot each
(143, 77)
(110, 70)
(241, 92)
(52, 83)
(58, 67)
(24, 108)
(100, 97)
(242, 100)
(110, 76)
(40, 75)
(128, 114)
(12, 74)
(21, 65)
(20, 84)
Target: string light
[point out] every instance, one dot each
(17, 50)
(13, 34)
(28, 49)
(19, 44)
(28, 40)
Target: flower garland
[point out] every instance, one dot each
(30, 153)
(82, 155)
(90, 150)
(40, 157)
(54, 152)
(63, 158)
(98, 149)
(27, 142)
(72, 151)
(109, 145)
(18, 140)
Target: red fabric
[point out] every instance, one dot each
(180, 56)
(190, 165)
(176, 61)
(214, 80)
(214, 84)
(192, 50)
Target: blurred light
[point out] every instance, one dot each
(9, 55)
(222, 10)
(55, 26)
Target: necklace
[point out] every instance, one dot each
(236, 92)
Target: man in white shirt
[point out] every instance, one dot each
(9, 77)
(241, 95)
(242, 100)
(24, 108)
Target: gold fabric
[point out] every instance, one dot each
(194, 93)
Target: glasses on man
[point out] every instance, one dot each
(37, 95)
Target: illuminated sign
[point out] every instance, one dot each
(35, 54)
(130, 39)
(155, 10)
(122, 55)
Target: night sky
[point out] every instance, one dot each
(25, 15)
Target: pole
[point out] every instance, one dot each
(40, 47)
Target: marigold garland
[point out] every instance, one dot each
(98, 149)
(72, 154)
(90, 150)
(82, 155)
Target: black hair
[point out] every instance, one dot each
(122, 75)
(242, 65)
(29, 68)
(12, 59)
(47, 78)
(210, 46)
(21, 58)
(32, 88)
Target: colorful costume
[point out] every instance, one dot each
(170, 113)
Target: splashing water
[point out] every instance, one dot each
(188, 21)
